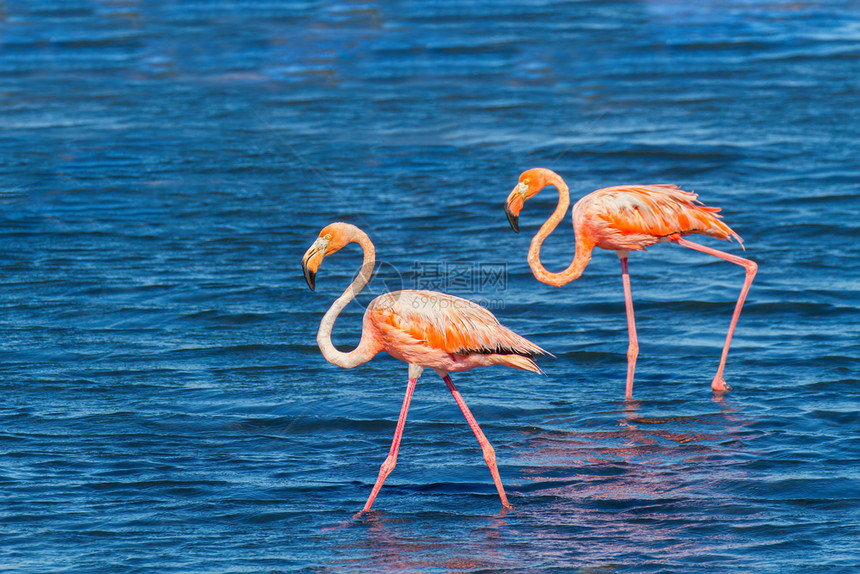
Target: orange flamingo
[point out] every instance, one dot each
(624, 219)
(424, 328)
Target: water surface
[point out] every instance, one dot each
(163, 167)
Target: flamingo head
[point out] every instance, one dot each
(531, 182)
(331, 239)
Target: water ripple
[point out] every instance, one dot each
(165, 167)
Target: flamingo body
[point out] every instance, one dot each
(633, 217)
(426, 329)
(446, 333)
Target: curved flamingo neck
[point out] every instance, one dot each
(367, 348)
(583, 246)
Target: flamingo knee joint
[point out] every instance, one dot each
(388, 465)
(489, 454)
(752, 268)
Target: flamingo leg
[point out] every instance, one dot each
(633, 348)
(719, 384)
(391, 460)
(486, 447)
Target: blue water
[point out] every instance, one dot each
(163, 167)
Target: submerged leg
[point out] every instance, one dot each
(719, 384)
(489, 453)
(633, 348)
(391, 460)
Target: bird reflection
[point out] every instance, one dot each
(619, 483)
(641, 457)
(593, 487)
(381, 542)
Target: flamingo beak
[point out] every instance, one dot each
(311, 262)
(310, 277)
(513, 205)
(514, 220)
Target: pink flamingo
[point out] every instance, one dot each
(624, 219)
(423, 328)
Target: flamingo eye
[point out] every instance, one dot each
(327, 236)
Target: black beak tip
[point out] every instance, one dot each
(514, 220)
(310, 277)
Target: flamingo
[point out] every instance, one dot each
(623, 219)
(423, 328)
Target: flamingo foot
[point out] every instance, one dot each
(719, 385)
(362, 514)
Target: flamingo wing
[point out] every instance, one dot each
(654, 210)
(447, 323)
